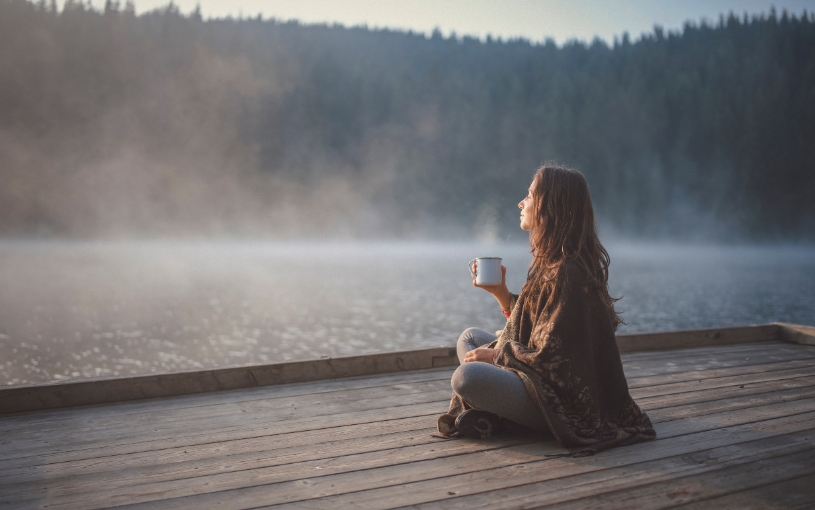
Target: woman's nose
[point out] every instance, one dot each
(521, 204)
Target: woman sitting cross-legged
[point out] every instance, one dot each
(555, 368)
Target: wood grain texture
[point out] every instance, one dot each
(129, 433)
(197, 476)
(557, 479)
(787, 495)
(725, 478)
(56, 418)
(94, 461)
(740, 415)
(208, 490)
(103, 390)
(697, 338)
(796, 333)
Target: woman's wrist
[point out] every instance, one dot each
(504, 298)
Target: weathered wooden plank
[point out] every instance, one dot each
(660, 483)
(89, 417)
(753, 351)
(695, 375)
(332, 386)
(97, 427)
(682, 427)
(711, 387)
(563, 481)
(796, 333)
(265, 393)
(725, 479)
(667, 365)
(20, 470)
(443, 481)
(29, 447)
(697, 338)
(673, 426)
(737, 348)
(697, 406)
(238, 465)
(70, 419)
(83, 421)
(76, 449)
(261, 409)
(105, 476)
(101, 390)
(97, 414)
(453, 466)
(27, 420)
(272, 440)
(787, 495)
(446, 395)
(95, 391)
(227, 414)
(735, 359)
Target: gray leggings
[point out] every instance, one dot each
(490, 388)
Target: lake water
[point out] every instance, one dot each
(77, 310)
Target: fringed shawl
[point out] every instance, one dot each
(567, 356)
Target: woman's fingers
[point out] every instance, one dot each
(483, 354)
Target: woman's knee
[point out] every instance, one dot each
(468, 336)
(466, 379)
(470, 339)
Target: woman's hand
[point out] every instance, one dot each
(500, 292)
(481, 354)
(490, 288)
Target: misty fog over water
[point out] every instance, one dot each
(75, 310)
(116, 126)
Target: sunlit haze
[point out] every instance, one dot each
(530, 19)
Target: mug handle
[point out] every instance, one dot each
(470, 265)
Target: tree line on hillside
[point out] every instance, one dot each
(113, 124)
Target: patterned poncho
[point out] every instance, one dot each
(567, 356)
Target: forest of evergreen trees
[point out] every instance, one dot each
(166, 124)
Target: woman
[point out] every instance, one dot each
(555, 367)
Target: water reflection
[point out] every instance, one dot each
(74, 310)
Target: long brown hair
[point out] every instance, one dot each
(564, 231)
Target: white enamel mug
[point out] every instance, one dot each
(488, 270)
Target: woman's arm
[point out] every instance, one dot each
(500, 292)
(505, 299)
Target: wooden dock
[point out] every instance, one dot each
(735, 422)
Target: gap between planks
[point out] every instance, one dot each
(252, 448)
(692, 395)
(747, 390)
(390, 481)
(649, 395)
(685, 427)
(118, 411)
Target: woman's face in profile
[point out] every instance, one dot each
(527, 206)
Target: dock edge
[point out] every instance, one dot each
(26, 398)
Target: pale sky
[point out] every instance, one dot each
(531, 19)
